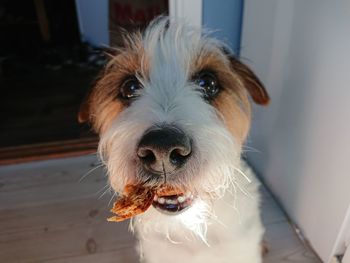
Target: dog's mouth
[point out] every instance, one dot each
(173, 204)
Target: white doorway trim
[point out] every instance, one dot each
(190, 10)
(342, 246)
(346, 258)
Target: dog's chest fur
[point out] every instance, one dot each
(233, 236)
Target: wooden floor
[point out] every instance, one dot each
(48, 213)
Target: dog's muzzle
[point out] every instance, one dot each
(163, 150)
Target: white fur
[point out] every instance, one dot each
(223, 225)
(233, 232)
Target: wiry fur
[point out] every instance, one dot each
(223, 224)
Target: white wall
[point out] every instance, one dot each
(190, 11)
(301, 51)
(225, 19)
(93, 21)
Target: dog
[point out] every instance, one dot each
(172, 107)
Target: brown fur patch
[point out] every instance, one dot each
(232, 102)
(251, 82)
(102, 106)
(234, 116)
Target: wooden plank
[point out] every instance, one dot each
(50, 184)
(45, 151)
(290, 251)
(285, 246)
(49, 216)
(125, 255)
(70, 241)
(271, 213)
(28, 219)
(39, 174)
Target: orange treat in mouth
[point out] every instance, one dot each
(168, 191)
(136, 200)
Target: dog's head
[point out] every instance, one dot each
(172, 107)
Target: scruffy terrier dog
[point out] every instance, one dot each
(172, 107)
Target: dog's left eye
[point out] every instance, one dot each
(130, 88)
(208, 83)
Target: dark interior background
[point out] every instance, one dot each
(46, 70)
(43, 76)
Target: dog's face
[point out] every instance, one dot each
(172, 107)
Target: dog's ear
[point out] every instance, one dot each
(250, 81)
(84, 110)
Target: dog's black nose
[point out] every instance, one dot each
(164, 149)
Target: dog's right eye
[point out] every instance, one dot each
(130, 88)
(208, 83)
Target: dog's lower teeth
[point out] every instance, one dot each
(181, 199)
(174, 204)
(171, 202)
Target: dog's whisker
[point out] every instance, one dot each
(141, 253)
(93, 154)
(234, 205)
(214, 217)
(246, 148)
(236, 185)
(89, 172)
(246, 193)
(171, 240)
(110, 200)
(131, 225)
(243, 174)
(105, 192)
(102, 189)
(246, 177)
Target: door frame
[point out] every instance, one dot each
(189, 10)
